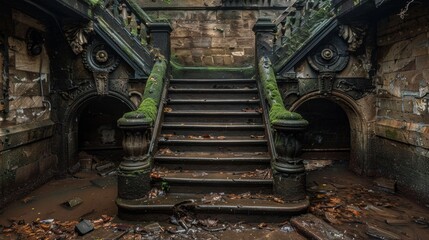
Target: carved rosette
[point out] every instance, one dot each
(100, 60)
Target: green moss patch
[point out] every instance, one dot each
(148, 108)
(272, 94)
(279, 112)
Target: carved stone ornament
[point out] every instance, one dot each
(353, 35)
(77, 35)
(331, 56)
(100, 60)
(98, 57)
(101, 82)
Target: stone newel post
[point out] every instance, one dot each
(288, 170)
(160, 37)
(134, 170)
(264, 38)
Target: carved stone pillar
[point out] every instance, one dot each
(134, 170)
(264, 30)
(288, 169)
(160, 37)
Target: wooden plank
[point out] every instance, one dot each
(315, 228)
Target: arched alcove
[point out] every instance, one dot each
(90, 126)
(339, 103)
(328, 135)
(98, 133)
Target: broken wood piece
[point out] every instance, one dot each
(396, 222)
(315, 228)
(381, 233)
(385, 184)
(104, 166)
(73, 202)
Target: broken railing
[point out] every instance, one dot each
(288, 169)
(138, 127)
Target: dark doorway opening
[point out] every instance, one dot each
(98, 134)
(328, 134)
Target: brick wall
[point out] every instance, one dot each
(402, 126)
(206, 33)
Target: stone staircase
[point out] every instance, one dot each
(213, 154)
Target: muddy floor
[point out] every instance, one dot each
(357, 207)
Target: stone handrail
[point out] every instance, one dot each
(288, 169)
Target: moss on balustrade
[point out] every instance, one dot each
(94, 2)
(272, 94)
(148, 108)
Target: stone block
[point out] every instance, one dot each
(47, 163)
(218, 60)
(27, 173)
(249, 15)
(229, 14)
(207, 61)
(422, 62)
(203, 42)
(197, 52)
(228, 60)
(181, 43)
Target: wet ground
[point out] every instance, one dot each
(353, 205)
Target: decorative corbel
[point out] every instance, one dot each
(77, 35)
(353, 35)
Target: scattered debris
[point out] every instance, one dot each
(311, 165)
(28, 199)
(167, 109)
(380, 233)
(155, 192)
(165, 151)
(213, 197)
(72, 202)
(84, 227)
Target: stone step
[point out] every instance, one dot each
(188, 181)
(212, 104)
(214, 117)
(214, 144)
(206, 128)
(213, 83)
(212, 93)
(252, 208)
(240, 161)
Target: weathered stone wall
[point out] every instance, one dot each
(208, 33)
(402, 126)
(26, 130)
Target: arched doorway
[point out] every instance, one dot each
(340, 103)
(98, 134)
(328, 135)
(90, 127)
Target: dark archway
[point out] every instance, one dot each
(359, 140)
(328, 135)
(77, 118)
(98, 133)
